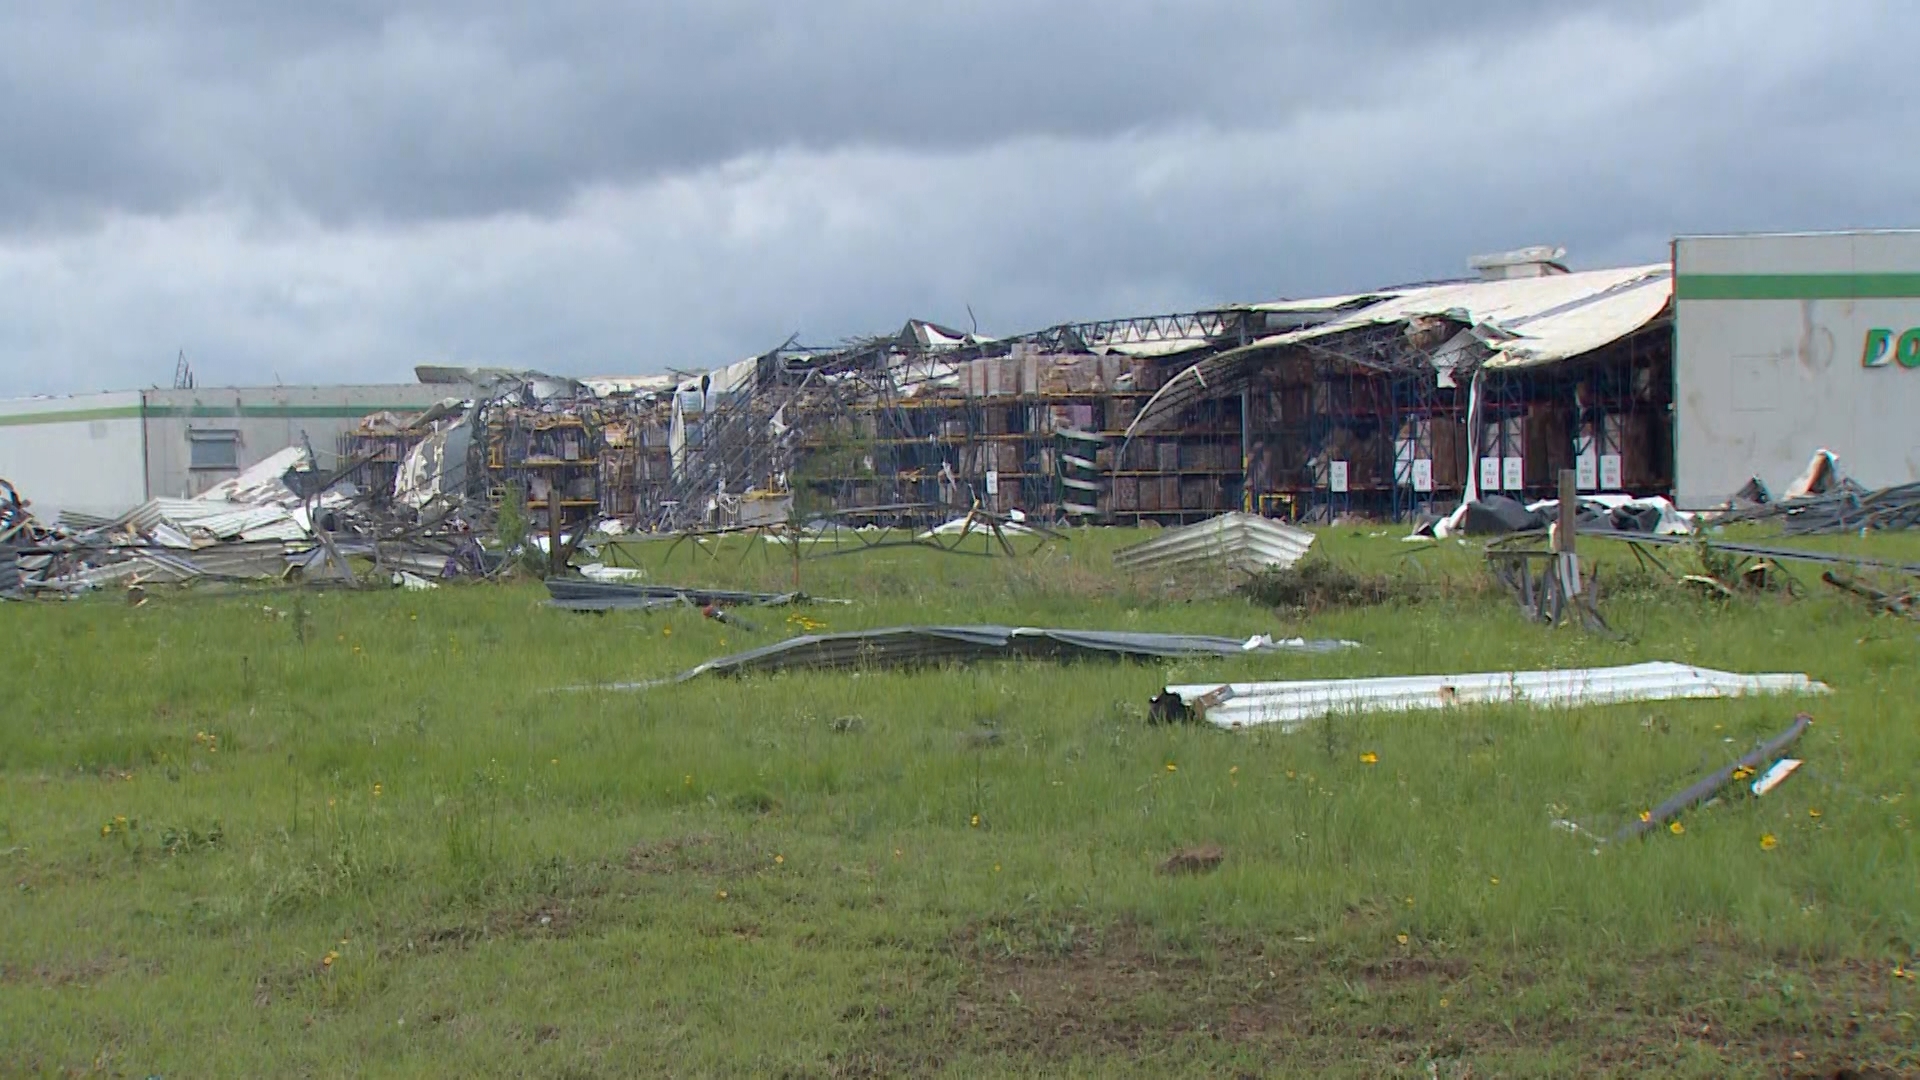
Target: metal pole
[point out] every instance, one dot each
(1567, 560)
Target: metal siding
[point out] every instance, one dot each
(1762, 384)
(75, 453)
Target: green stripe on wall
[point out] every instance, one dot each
(1797, 287)
(204, 412)
(75, 416)
(276, 412)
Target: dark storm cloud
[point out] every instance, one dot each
(366, 112)
(333, 192)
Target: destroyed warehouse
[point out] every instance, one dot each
(1393, 403)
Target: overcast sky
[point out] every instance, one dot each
(295, 194)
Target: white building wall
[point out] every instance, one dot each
(74, 453)
(1785, 344)
(264, 421)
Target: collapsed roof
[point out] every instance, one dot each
(1506, 324)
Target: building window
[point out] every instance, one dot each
(213, 450)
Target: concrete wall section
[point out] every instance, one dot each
(258, 421)
(1785, 344)
(74, 453)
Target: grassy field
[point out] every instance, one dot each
(280, 833)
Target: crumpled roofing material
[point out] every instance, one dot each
(1524, 322)
(1233, 541)
(1293, 704)
(912, 646)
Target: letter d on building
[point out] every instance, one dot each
(1878, 349)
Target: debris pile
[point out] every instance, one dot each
(281, 519)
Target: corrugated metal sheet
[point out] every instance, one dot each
(1237, 541)
(1291, 704)
(220, 520)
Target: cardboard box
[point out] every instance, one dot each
(1149, 495)
(1549, 446)
(1199, 493)
(1449, 453)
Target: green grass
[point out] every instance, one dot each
(948, 871)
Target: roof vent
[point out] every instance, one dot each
(1538, 261)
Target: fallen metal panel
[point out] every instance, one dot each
(905, 646)
(581, 594)
(1291, 704)
(1236, 541)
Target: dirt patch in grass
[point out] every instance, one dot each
(78, 972)
(1114, 991)
(1119, 992)
(692, 854)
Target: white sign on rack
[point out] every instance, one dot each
(1489, 474)
(1586, 470)
(1423, 474)
(1610, 472)
(1511, 476)
(1337, 477)
(993, 482)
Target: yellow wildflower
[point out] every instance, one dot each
(1369, 758)
(996, 868)
(1401, 938)
(1290, 774)
(1812, 813)
(1646, 815)
(779, 860)
(1171, 767)
(720, 894)
(327, 960)
(1493, 881)
(107, 829)
(973, 822)
(896, 853)
(378, 790)
(1233, 770)
(1677, 829)
(1768, 842)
